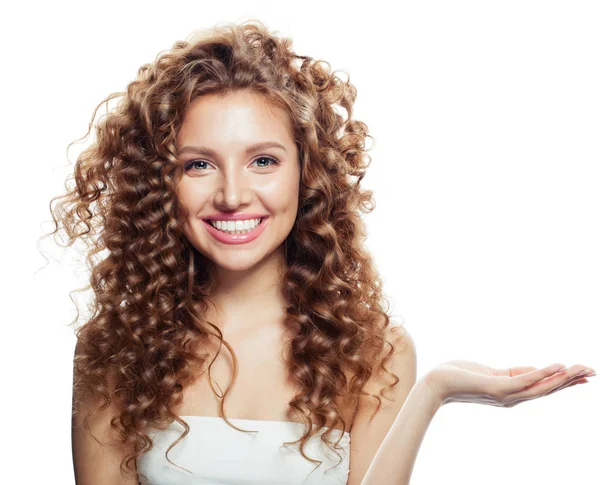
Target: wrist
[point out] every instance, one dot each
(434, 387)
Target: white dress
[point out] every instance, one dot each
(217, 454)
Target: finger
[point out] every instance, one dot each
(581, 380)
(514, 402)
(542, 387)
(530, 378)
(512, 385)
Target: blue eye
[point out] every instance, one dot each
(189, 164)
(192, 162)
(266, 158)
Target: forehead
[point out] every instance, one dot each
(241, 116)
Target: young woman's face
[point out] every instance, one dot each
(225, 176)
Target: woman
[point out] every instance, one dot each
(225, 188)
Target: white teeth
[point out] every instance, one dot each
(236, 227)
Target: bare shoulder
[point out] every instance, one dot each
(402, 361)
(370, 426)
(397, 333)
(97, 453)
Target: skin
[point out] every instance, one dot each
(248, 275)
(457, 381)
(465, 381)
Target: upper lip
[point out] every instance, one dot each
(234, 216)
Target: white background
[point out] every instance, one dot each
(486, 173)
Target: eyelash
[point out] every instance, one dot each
(191, 162)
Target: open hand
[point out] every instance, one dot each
(464, 381)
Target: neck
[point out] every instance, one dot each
(245, 299)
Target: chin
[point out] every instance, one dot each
(236, 262)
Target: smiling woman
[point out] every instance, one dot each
(228, 190)
(225, 192)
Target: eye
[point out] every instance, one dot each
(189, 164)
(266, 158)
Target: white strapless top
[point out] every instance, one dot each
(217, 454)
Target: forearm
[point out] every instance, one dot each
(393, 463)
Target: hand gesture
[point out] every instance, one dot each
(464, 381)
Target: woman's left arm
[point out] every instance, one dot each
(459, 381)
(394, 461)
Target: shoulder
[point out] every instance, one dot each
(398, 359)
(397, 332)
(402, 359)
(372, 422)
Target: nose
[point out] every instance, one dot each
(232, 192)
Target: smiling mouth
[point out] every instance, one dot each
(232, 228)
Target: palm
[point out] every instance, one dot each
(466, 381)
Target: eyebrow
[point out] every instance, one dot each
(211, 153)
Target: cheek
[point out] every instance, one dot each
(281, 193)
(190, 196)
(280, 197)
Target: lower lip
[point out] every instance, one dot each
(227, 238)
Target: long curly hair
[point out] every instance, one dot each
(141, 345)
